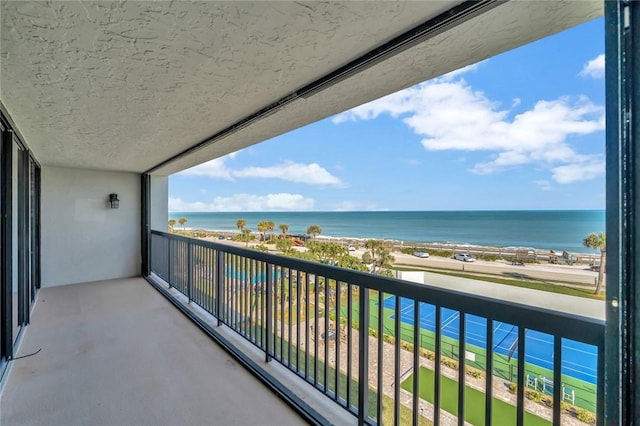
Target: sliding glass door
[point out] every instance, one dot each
(19, 238)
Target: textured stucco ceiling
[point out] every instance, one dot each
(127, 85)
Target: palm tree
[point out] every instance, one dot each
(172, 223)
(314, 230)
(270, 227)
(284, 228)
(182, 221)
(262, 228)
(245, 236)
(598, 242)
(379, 256)
(241, 223)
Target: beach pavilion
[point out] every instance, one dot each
(107, 319)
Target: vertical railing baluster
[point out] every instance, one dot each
(234, 292)
(253, 300)
(600, 385)
(489, 373)
(269, 312)
(315, 329)
(396, 373)
(338, 337)
(281, 306)
(289, 307)
(170, 258)
(349, 342)
(363, 356)
(557, 378)
(462, 349)
(189, 271)
(297, 319)
(219, 281)
(437, 367)
(380, 357)
(416, 362)
(326, 335)
(307, 324)
(521, 359)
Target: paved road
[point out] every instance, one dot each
(576, 274)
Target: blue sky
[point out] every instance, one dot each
(522, 130)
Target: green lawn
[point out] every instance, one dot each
(503, 413)
(503, 368)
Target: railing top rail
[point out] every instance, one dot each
(584, 329)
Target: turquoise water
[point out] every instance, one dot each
(556, 230)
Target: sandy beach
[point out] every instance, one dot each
(579, 274)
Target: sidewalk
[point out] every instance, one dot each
(559, 302)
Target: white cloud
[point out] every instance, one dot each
(246, 202)
(570, 173)
(450, 115)
(594, 68)
(544, 184)
(215, 168)
(311, 174)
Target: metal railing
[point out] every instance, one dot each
(353, 336)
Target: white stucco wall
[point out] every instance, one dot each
(82, 238)
(159, 203)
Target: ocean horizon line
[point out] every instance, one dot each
(557, 230)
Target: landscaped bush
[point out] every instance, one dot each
(448, 362)
(488, 257)
(513, 387)
(407, 346)
(427, 354)
(534, 395)
(474, 372)
(389, 339)
(585, 416)
(373, 332)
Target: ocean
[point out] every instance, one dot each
(536, 229)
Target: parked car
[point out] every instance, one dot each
(421, 254)
(351, 247)
(221, 237)
(465, 257)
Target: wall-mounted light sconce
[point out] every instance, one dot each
(113, 200)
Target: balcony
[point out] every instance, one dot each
(336, 346)
(116, 352)
(307, 318)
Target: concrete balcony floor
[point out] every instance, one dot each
(118, 353)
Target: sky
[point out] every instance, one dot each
(520, 131)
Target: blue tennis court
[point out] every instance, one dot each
(579, 360)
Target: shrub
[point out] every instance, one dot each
(585, 416)
(356, 325)
(534, 395)
(373, 332)
(473, 372)
(513, 387)
(389, 339)
(427, 353)
(407, 346)
(488, 257)
(449, 363)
